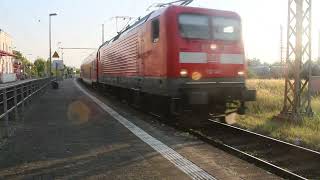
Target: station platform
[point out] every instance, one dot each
(74, 133)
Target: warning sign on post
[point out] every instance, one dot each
(55, 55)
(57, 64)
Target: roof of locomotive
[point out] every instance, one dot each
(141, 21)
(89, 58)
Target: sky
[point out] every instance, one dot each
(78, 24)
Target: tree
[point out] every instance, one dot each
(252, 74)
(40, 66)
(20, 57)
(25, 63)
(69, 70)
(254, 62)
(18, 54)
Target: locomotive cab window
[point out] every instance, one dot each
(155, 30)
(194, 26)
(226, 29)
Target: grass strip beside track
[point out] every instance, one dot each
(259, 117)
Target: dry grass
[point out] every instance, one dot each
(269, 102)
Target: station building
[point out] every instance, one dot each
(6, 59)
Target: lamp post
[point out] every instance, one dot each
(61, 50)
(319, 48)
(50, 58)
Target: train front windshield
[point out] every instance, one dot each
(195, 26)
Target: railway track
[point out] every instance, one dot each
(279, 157)
(284, 159)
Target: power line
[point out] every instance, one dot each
(129, 18)
(79, 48)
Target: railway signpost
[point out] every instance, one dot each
(57, 64)
(55, 55)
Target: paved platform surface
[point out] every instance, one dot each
(65, 135)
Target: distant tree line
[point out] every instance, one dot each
(37, 69)
(257, 69)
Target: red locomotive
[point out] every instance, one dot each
(183, 58)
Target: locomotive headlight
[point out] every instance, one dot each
(241, 73)
(184, 73)
(213, 47)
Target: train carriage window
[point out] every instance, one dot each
(155, 30)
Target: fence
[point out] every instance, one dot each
(14, 98)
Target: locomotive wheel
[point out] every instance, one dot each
(242, 109)
(137, 99)
(160, 106)
(218, 111)
(231, 118)
(194, 118)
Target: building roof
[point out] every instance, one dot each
(4, 53)
(5, 33)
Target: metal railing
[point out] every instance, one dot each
(14, 98)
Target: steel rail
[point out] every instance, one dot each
(248, 157)
(262, 163)
(266, 137)
(265, 163)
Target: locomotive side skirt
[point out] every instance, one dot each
(210, 92)
(197, 92)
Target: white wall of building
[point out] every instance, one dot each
(6, 63)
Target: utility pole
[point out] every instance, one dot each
(102, 33)
(297, 97)
(282, 48)
(319, 47)
(281, 45)
(59, 43)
